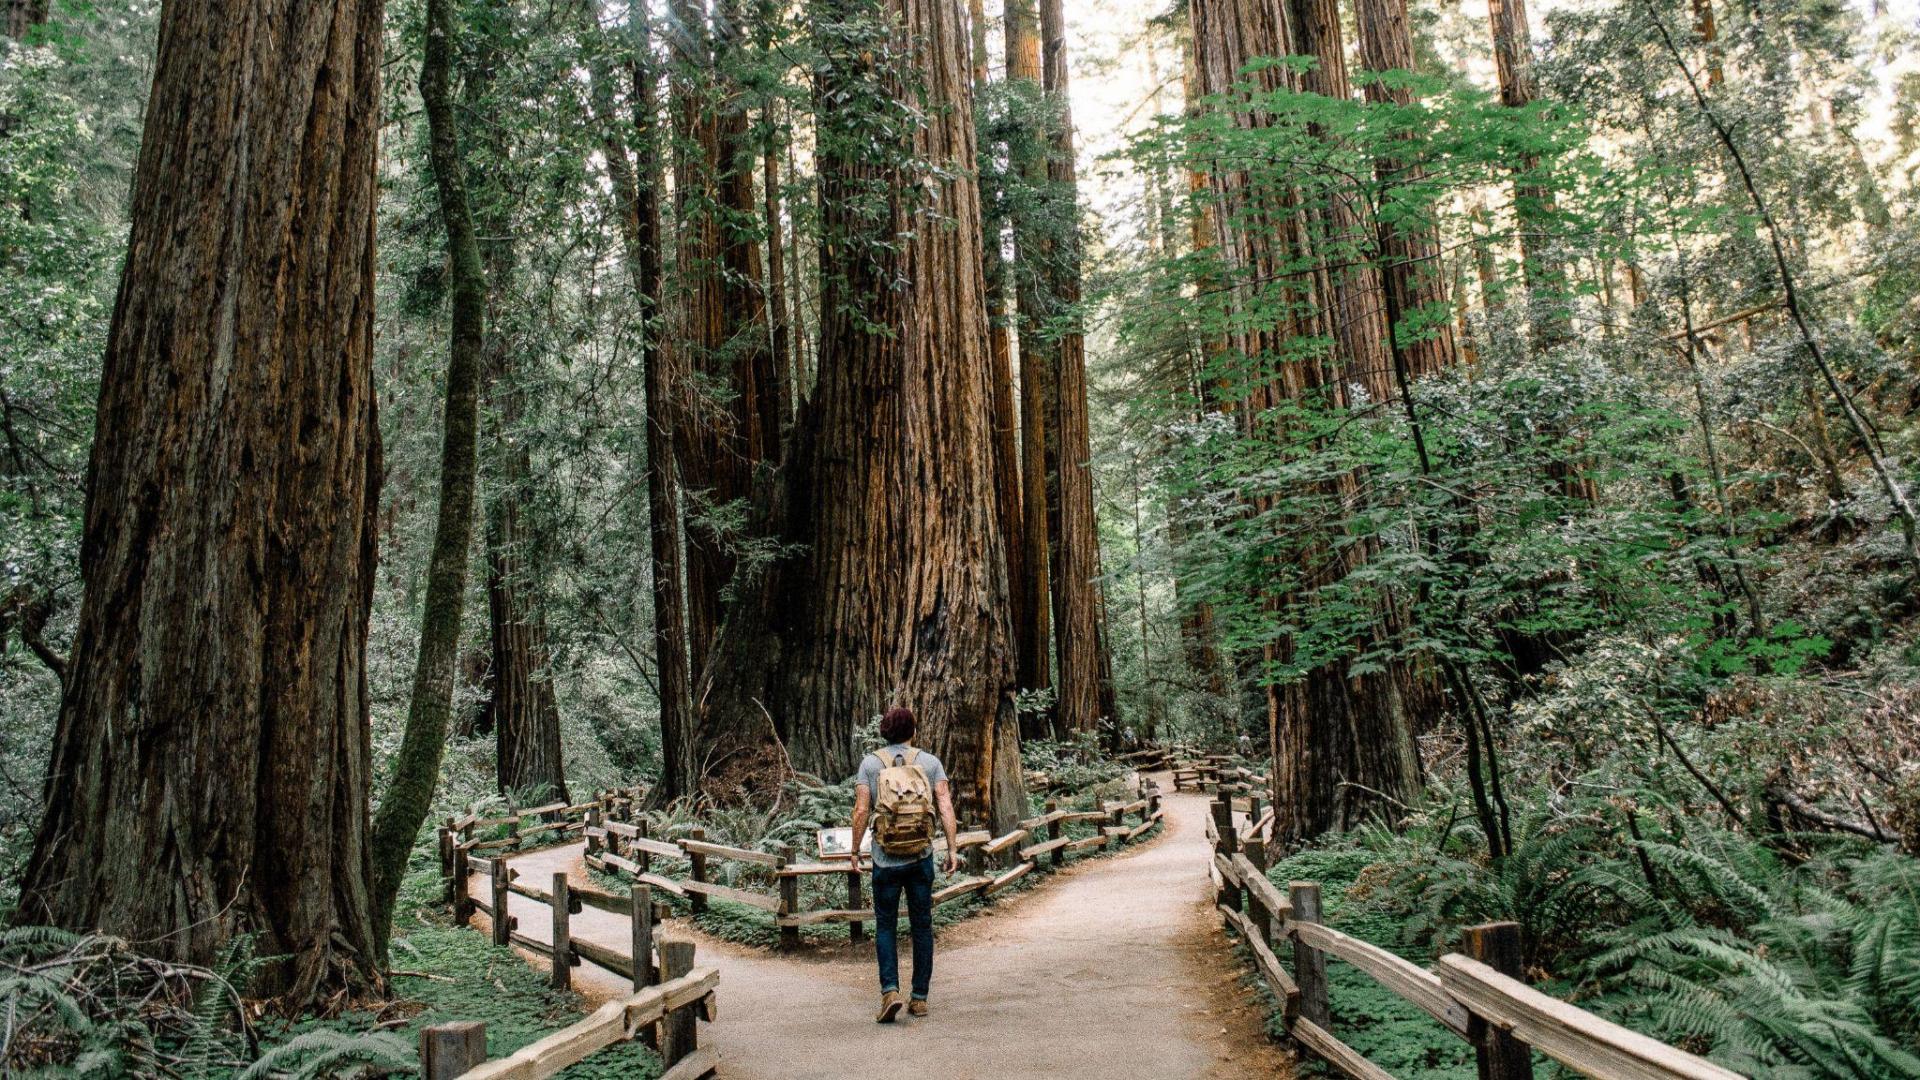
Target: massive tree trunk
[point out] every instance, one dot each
(1085, 673)
(636, 194)
(1409, 257)
(899, 593)
(1028, 163)
(210, 769)
(416, 769)
(733, 422)
(1340, 742)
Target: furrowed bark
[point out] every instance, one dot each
(900, 591)
(520, 710)
(732, 417)
(211, 762)
(1356, 308)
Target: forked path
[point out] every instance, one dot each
(1114, 969)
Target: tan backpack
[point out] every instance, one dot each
(902, 806)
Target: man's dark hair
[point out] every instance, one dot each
(897, 726)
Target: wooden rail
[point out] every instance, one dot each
(1478, 997)
(663, 1014)
(628, 847)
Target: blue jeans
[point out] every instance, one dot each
(888, 881)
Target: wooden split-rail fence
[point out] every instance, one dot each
(619, 842)
(992, 862)
(664, 1015)
(1216, 773)
(669, 993)
(1478, 995)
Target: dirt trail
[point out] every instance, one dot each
(1116, 968)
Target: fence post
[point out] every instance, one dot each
(1057, 855)
(1309, 963)
(696, 871)
(1153, 799)
(643, 969)
(593, 822)
(1256, 907)
(446, 857)
(857, 929)
(1253, 814)
(1226, 846)
(976, 859)
(462, 902)
(645, 858)
(680, 1036)
(1256, 852)
(448, 1050)
(789, 898)
(562, 933)
(1501, 1056)
(502, 922)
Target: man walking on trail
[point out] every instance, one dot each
(900, 787)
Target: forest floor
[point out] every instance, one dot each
(1114, 968)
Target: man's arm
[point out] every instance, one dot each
(943, 794)
(862, 803)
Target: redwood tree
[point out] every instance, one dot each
(1342, 740)
(1030, 636)
(900, 591)
(521, 708)
(210, 769)
(636, 186)
(1085, 680)
(732, 418)
(1027, 165)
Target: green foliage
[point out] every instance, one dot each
(473, 980)
(1694, 933)
(325, 1052)
(1071, 765)
(88, 1005)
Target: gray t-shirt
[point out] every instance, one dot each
(869, 776)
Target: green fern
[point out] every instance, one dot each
(325, 1052)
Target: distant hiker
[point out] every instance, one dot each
(902, 787)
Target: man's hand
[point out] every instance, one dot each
(943, 796)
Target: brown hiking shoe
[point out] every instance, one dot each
(917, 1007)
(889, 1007)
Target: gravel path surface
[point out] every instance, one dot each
(1116, 968)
